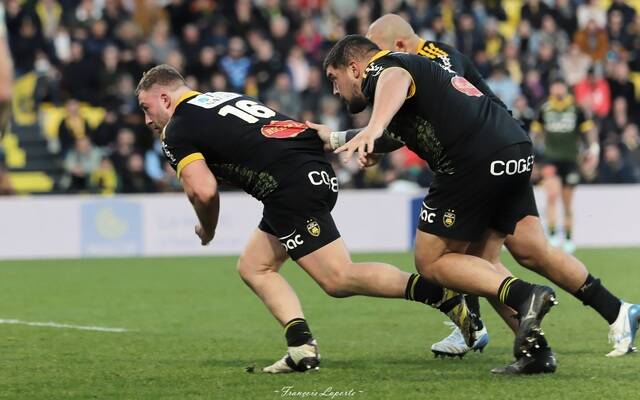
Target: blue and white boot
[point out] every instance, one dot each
(622, 333)
(454, 344)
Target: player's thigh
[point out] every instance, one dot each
(327, 265)
(263, 252)
(528, 244)
(430, 247)
(489, 247)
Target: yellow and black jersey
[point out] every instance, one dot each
(564, 125)
(457, 63)
(242, 141)
(445, 120)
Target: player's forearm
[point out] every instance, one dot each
(207, 208)
(384, 144)
(391, 92)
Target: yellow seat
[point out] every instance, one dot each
(30, 182)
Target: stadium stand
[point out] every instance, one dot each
(77, 63)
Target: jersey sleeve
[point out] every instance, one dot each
(375, 69)
(178, 147)
(584, 124)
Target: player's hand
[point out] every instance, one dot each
(369, 160)
(324, 133)
(362, 143)
(205, 237)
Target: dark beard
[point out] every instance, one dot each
(357, 105)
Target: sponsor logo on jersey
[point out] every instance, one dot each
(373, 69)
(282, 129)
(449, 218)
(313, 227)
(291, 241)
(168, 154)
(211, 99)
(427, 214)
(318, 178)
(511, 167)
(464, 86)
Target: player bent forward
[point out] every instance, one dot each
(280, 162)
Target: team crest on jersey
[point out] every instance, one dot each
(449, 218)
(282, 129)
(313, 227)
(464, 86)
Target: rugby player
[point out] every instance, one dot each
(208, 137)
(562, 127)
(482, 160)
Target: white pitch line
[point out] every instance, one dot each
(62, 326)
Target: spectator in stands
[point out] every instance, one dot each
(617, 32)
(533, 11)
(266, 66)
(161, 42)
(614, 124)
(106, 132)
(236, 64)
(283, 93)
(552, 35)
(592, 40)
(124, 148)
(503, 86)
(574, 65)
(79, 79)
(628, 12)
(298, 68)
(621, 86)
(631, 147)
(73, 127)
(104, 179)
(614, 168)
(135, 179)
(590, 11)
(564, 13)
(593, 93)
(79, 163)
(468, 39)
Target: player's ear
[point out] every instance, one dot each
(399, 45)
(165, 100)
(354, 68)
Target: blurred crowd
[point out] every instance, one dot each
(95, 51)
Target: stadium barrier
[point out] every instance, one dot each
(159, 225)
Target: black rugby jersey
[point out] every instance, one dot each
(242, 141)
(445, 119)
(455, 62)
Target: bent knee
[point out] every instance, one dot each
(248, 266)
(531, 254)
(337, 283)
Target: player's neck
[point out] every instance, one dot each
(412, 44)
(177, 95)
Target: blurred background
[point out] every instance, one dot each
(77, 128)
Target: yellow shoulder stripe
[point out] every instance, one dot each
(188, 160)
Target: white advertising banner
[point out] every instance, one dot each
(163, 224)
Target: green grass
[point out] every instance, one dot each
(194, 327)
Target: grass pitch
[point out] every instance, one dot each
(193, 328)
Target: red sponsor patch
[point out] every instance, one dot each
(464, 86)
(282, 129)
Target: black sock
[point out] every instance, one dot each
(297, 332)
(552, 230)
(567, 233)
(421, 290)
(473, 303)
(513, 292)
(593, 294)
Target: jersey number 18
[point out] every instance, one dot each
(247, 110)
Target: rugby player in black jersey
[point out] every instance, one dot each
(280, 162)
(482, 160)
(391, 32)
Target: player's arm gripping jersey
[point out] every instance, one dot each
(445, 119)
(242, 141)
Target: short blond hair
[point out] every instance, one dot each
(163, 74)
